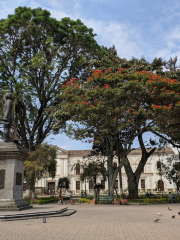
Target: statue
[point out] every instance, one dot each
(7, 115)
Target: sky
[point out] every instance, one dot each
(140, 28)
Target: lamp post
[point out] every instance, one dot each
(85, 184)
(108, 181)
(44, 183)
(161, 172)
(177, 181)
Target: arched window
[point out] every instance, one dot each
(114, 166)
(160, 185)
(77, 169)
(158, 165)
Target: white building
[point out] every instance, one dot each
(149, 180)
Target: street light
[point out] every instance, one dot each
(44, 183)
(85, 184)
(177, 181)
(112, 155)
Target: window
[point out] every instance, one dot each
(143, 183)
(158, 165)
(160, 185)
(114, 166)
(116, 184)
(103, 184)
(77, 169)
(102, 165)
(90, 184)
(77, 185)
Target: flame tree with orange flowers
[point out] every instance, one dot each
(115, 108)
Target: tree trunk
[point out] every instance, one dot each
(110, 177)
(132, 188)
(120, 182)
(94, 184)
(32, 188)
(132, 180)
(120, 177)
(32, 196)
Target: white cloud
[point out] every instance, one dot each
(123, 36)
(68, 144)
(8, 7)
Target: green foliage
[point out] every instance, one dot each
(37, 55)
(92, 169)
(113, 108)
(84, 200)
(138, 201)
(124, 196)
(142, 196)
(162, 200)
(44, 200)
(89, 197)
(42, 160)
(171, 169)
(118, 198)
(63, 183)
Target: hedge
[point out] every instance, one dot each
(84, 200)
(161, 200)
(43, 200)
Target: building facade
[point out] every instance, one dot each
(150, 179)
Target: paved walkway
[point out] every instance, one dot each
(106, 222)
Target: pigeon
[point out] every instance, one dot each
(169, 208)
(173, 216)
(160, 214)
(156, 219)
(44, 219)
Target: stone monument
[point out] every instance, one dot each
(12, 158)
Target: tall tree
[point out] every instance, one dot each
(41, 160)
(91, 170)
(63, 183)
(37, 54)
(115, 108)
(171, 170)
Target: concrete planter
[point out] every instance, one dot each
(117, 202)
(93, 202)
(124, 201)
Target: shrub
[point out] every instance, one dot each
(43, 200)
(118, 198)
(161, 200)
(136, 200)
(124, 196)
(142, 196)
(90, 197)
(84, 200)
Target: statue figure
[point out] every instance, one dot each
(7, 115)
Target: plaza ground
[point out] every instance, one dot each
(106, 222)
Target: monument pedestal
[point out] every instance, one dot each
(12, 158)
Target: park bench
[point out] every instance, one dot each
(173, 199)
(105, 199)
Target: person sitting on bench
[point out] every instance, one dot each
(84, 195)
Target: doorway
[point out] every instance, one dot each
(51, 188)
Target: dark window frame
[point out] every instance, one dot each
(77, 169)
(77, 185)
(143, 183)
